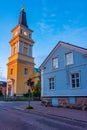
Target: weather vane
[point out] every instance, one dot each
(23, 7)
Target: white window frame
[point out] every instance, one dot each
(55, 63)
(69, 58)
(51, 83)
(75, 80)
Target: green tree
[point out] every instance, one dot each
(37, 91)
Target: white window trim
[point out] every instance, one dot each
(71, 80)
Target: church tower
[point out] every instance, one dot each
(20, 63)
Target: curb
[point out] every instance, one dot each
(60, 116)
(42, 112)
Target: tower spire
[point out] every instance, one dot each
(22, 17)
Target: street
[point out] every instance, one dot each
(13, 117)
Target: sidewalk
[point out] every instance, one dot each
(60, 112)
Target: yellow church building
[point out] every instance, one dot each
(20, 66)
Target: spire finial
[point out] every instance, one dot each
(22, 8)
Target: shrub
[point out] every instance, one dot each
(1, 93)
(26, 95)
(29, 107)
(37, 92)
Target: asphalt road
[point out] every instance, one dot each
(12, 118)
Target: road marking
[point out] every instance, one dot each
(2, 102)
(18, 108)
(3, 108)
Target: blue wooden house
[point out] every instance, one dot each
(64, 75)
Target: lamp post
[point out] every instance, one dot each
(29, 96)
(28, 84)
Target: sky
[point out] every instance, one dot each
(51, 20)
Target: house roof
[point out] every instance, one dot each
(67, 45)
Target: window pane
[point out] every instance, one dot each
(25, 71)
(51, 83)
(69, 58)
(73, 81)
(29, 35)
(50, 87)
(77, 75)
(73, 76)
(55, 63)
(77, 80)
(77, 85)
(49, 79)
(21, 31)
(52, 79)
(73, 85)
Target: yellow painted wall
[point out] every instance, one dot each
(21, 78)
(20, 86)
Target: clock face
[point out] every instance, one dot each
(25, 33)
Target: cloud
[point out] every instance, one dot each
(75, 36)
(2, 75)
(53, 15)
(66, 27)
(47, 20)
(3, 69)
(44, 27)
(2, 79)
